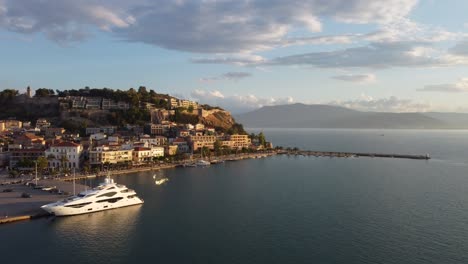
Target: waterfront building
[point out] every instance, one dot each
(240, 141)
(18, 154)
(182, 145)
(200, 141)
(64, 155)
(142, 154)
(104, 154)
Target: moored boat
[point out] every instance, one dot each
(107, 195)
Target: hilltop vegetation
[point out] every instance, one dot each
(57, 106)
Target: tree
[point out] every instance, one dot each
(63, 161)
(261, 139)
(217, 148)
(44, 92)
(42, 163)
(190, 109)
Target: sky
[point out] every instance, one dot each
(370, 55)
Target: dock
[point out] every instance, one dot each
(334, 154)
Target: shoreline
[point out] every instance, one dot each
(14, 208)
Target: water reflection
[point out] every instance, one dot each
(102, 234)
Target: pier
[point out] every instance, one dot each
(334, 154)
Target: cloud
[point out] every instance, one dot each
(460, 49)
(375, 55)
(229, 76)
(390, 104)
(229, 26)
(237, 103)
(356, 78)
(239, 59)
(459, 87)
(61, 20)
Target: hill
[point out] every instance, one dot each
(326, 116)
(89, 107)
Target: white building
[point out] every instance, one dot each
(156, 140)
(68, 153)
(141, 154)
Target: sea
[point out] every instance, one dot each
(281, 209)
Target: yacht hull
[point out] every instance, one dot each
(61, 210)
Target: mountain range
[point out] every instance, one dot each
(327, 116)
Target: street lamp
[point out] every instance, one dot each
(35, 162)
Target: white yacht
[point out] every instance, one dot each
(107, 195)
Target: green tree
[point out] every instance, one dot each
(63, 162)
(42, 163)
(44, 92)
(218, 148)
(190, 109)
(261, 139)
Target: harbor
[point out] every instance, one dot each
(18, 207)
(333, 154)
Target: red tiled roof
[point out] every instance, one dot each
(179, 140)
(141, 149)
(65, 144)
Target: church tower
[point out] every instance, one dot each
(28, 92)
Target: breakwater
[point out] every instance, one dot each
(334, 154)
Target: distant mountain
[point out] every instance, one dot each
(326, 116)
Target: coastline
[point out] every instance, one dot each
(15, 208)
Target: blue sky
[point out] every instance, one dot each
(371, 55)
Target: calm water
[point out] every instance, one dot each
(280, 209)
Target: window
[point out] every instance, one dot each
(77, 205)
(109, 194)
(111, 200)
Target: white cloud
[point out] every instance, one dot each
(229, 76)
(229, 26)
(459, 87)
(62, 20)
(390, 104)
(237, 103)
(356, 78)
(375, 55)
(239, 59)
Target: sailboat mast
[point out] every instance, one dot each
(74, 190)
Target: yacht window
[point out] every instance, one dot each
(111, 200)
(110, 188)
(131, 196)
(77, 205)
(109, 194)
(81, 195)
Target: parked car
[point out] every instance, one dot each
(7, 190)
(26, 195)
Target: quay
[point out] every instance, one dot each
(333, 154)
